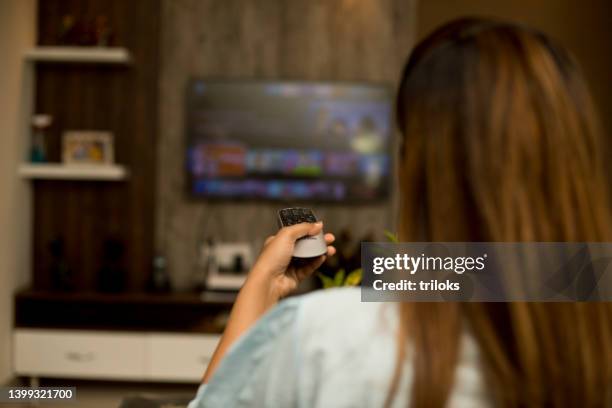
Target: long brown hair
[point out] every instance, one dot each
(501, 143)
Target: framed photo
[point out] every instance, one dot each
(87, 147)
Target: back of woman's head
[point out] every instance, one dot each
(501, 143)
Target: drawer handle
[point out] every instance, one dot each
(79, 357)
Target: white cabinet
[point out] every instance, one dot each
(62, 353)
(112, 355)
(180, 357)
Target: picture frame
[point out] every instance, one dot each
(88, 147)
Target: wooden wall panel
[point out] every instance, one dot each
(357, 40)
(116, 98)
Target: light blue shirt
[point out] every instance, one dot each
(326, 349)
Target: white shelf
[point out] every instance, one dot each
(57, 171)
(99, 55)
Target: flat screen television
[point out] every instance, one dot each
(289, 141)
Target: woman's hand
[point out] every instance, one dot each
(273, 276)
(274, 266)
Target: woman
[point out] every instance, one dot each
(500, 143)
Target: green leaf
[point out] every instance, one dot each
(391, 236)
(354, 278)
(339, 277)
(325, 280)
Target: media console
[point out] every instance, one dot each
(134, 337)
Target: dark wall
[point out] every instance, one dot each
(122, 99)
(359, 40)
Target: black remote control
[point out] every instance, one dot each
(308, 246)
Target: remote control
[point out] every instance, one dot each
(309, 246)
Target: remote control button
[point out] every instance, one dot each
(297, 215)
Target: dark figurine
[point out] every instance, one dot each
(111, 277)
(61, 275)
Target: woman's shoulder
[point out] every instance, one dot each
(338, 307)
(346, 342)
(309, 347)
(349, 341)
(338, 324)
(304, 350)
(341, 310)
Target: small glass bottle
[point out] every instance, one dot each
(38, 150)
(160, 280)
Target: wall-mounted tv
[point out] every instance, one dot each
(290, 141)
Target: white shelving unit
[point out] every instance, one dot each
(58, 171)
(138, 345)
(94, 55)
(67, 55)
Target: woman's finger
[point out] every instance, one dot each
(329, 238)
(301, 230)
(331, 251)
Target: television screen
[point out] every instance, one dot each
(288, 140)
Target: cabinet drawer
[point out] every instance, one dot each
(180, 357)
(80, 354)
